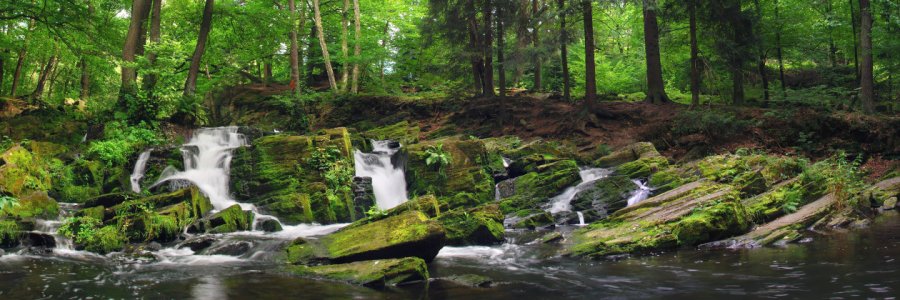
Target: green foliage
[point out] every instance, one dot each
(90, 233)
(120, 142)
(7, 201)
(844, 179)
(437, 156)
(375, 212)
(716, 125)
(295, 107)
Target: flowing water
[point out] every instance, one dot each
(642, 193)
(588, 175)
(388, 181)
(139, 168)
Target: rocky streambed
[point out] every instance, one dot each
(278, 214)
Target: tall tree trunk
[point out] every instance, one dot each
(761, 62)
(695, 68)
(317, 17)
(853, 23)
(155, 20)
(384, 45)
(53, 78)
(310, 68)
(130, 49)
(867, 80)
(42, 80)
(267, 73)
(656, 88)
(780, 54)
(344, 70)
(355, 77)
(537, 46)
(18, 72)
(501, 70)
(3, 69)
(590, 85)
(564, 53)
(736, 72)
(295, 56)
(190, 86)
(475, 48)
(488, 76)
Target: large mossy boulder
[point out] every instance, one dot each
(627, 154)
(403, 132)
(689, 215)
(372, 273)
(228, 220)
(38, 129)
(37, 205)
(603, 197)
(475, 226)
(10, 233)
(428, 205)
(410, 234)
(548, 180)
(299, 179)
(465, 181)
(22, 173)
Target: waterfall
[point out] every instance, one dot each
(138, 172)
(580, 219)
(588, 176)
(206, 164)
(506, 161)
(50, 227)
(388, 181)
(640, 194)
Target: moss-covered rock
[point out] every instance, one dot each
(471, 280)
(22, 173)
(547, 150)
(231, 219)
(529, 164)
(286, 176)
(548, 180)
(643, 167)
(10, 233)
(410, 234)
(627, 154)
(428, 205)
(373, 273)
(36, 205)
(605, 196)
(465, 181)
(474, 226)
(403, 132)
(751, 183)
(689, 215)
(38, 129)
(530, 219)
(665, 181)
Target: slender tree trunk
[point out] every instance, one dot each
(310, 68)
(695, 68)
(18, 72)
(488, 90)
(132, 42)
(53, 78)
(761, 63)
(355, 77)
(501, 70)
(780, 54)
(317, 17)
(737, 74)
(345, 70)
(590, 86)
(142, 33)
(3, 69)
(42, 80)
(537, 46)
(656, 88)
(295, 55)
(190, 86)
(564, 53)
(155, 20)
(384, 45)
(867, 81)
(267, 73)
(853, 23)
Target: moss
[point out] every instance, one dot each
(549, 180)
(535, 220)
(405, 235)
(627, 154)
(665, 181)
(9, 234)
(37, 205)
(93, 236)
(93, 212)
(230, 219)
(466, 181)
(22, 173)
(368, 273)
(643, 167)
(476, 226)
(402, 132)
(428, 205)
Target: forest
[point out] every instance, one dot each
(228, 149)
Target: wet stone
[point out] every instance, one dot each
(890, 203)
(471, 280)
(270, 225)
(197, 244)
(38, 239)
(233, 249)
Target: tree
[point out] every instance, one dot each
(695, 69)
(132, 43)
(535, 14)
(155, 19)
(488, 43)
(355, 80)
(656, 87)
(345, 71)
(295, 55)
(318, 19)
(866, 84)
(563, 52)
(190, 85)
(590, 89)
(501, 70)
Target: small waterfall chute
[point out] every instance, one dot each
(139, 167)
(642, 193)
(562, 202)
(388, 180)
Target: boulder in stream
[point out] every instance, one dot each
(372, 273)
(231, 219)
(465, 181)
(471, 280)
(475, 226)
(410, 234)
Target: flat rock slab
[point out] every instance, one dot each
(784, 228)
(372, 273)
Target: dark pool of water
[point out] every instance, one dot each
(841, 264)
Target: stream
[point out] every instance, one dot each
(842, 264)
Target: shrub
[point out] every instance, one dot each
(90, 233)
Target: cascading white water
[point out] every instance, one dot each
(51, 227)
(506, 161)
(139, 167)
(208, 167)
(388, 181)
(588, 176)
(580, 219)
(640, 194)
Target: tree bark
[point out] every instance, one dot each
(867, 80)
(155, 20)
(18, 72)
(564, 53)
(761, 63)
(267, 73)
(656, 88)
(384, 45)
(736, 71)
(488, 76)
(132, 42)
(318, 19)
(780, 55)
(355, 77)
(344, 70)
(537, 46)
(310, 68)
(3, 69)
(190, 86)
(695, 68)
(475, 48)
(500, 68)
(295, 55)
(42, 80)
(853, 23)
(590, 86)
